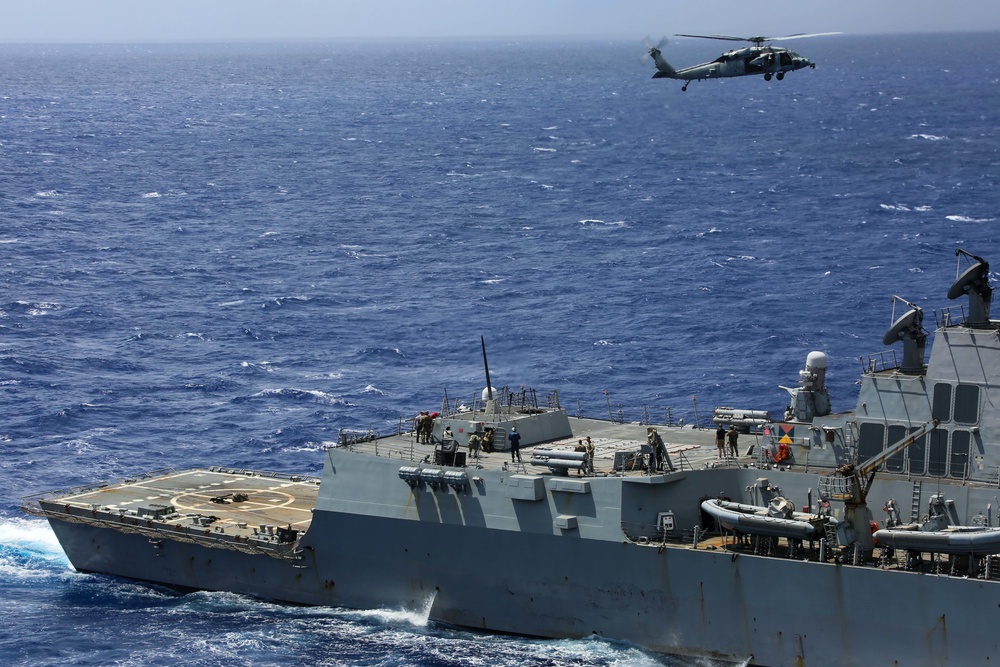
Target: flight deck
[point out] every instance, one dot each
(238, 509)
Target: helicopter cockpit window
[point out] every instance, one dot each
(786, 59)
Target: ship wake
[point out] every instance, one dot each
(28, 548)
(419, 617)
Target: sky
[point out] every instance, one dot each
(138, 21)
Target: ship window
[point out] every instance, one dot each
(967, 403)
(915, 454)
(960, 454)
(895, 463)
(941, 408)
(871, 440)
(937, 465)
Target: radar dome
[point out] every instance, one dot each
(816, 360)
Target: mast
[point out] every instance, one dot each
(486, 365)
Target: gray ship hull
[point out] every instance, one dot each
(681, 601)
(480, 559)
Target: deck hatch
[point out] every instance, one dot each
(155, 510)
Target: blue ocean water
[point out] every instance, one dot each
(222, 254)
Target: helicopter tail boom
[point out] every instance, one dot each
(664, 70)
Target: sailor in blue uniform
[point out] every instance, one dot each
(515, 444)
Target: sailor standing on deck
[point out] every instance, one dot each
(420, 424)
(654, 452)
(515, 444)
(582, 448)
(657, 451)
(731, 437)
(720, 440)
(474, 445)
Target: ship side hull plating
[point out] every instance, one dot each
(480, 559)
(679, 601)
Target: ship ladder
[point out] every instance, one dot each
(895, 559)
(831, 535)
(991, 567)
(915, 504)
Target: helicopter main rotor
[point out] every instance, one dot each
(759, 41)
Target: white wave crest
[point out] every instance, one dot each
(29, 549)
(260, 365)
(416, 617)
(965, 218)
(604, 223)
(314, 394)
(39, 308)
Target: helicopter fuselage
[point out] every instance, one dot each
(765, 60)
(768, 61)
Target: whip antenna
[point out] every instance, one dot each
(486, 365)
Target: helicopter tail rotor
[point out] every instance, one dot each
(653, 50)
(663, 68)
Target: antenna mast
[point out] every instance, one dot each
(486, 365)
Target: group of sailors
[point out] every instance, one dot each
(652, 457)
(588, 461)
(423, 426)
(482, 441)
(727, 440)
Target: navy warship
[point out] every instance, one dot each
(865, 537)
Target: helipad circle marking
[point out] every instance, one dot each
(200, 500)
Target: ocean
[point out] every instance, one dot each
(223, 254)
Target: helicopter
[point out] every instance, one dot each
(761, 58)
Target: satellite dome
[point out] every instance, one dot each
(816, 360)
